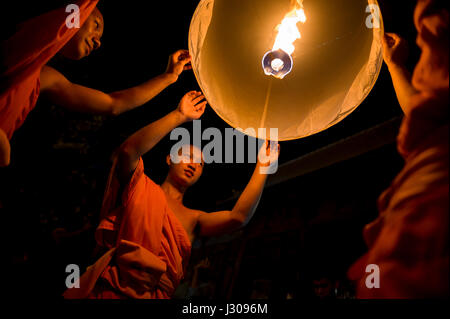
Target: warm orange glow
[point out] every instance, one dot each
(288, 31)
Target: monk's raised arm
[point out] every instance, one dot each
(219, 223)
(5, 149)
(79, 98)
(190, 108)
(395, 52)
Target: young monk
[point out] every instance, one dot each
(146, 227)
(25, 75)
(409, 240)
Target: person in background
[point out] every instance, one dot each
(408, 242)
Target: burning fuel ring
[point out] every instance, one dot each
(277, 63)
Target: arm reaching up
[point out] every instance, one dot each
(190, 108)
(218, 223)
(395, 52)
(79, 98)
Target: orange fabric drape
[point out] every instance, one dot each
(22, 57)
(149, 254)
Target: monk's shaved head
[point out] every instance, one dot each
(87, 38)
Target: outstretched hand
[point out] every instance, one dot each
(269, 153)
(179, 62)
(192, 106)
(395, 49)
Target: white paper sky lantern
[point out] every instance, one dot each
(252, 79)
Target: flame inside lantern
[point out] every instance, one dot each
(278, 62)
(288, 31)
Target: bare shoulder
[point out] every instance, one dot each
(194, 214)
(198, 214)
(50, 77)
(188, 217)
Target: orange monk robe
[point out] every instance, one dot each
(22, 57)
(409, 240)
(148, 257)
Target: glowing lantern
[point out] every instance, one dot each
(297, 65)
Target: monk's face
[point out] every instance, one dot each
(189, 167)
(432, 23)
(87, 39)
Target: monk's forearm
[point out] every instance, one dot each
(129, 99)
(146, 138)
(84, 99)
(143, 141)
(5, 149)
(401, 78)
(249, 199)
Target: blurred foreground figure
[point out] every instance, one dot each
(25, 75)
(409, 240)
(146, 227)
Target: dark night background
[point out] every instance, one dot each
(307, 228)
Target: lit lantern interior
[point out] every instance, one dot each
(335, 59)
